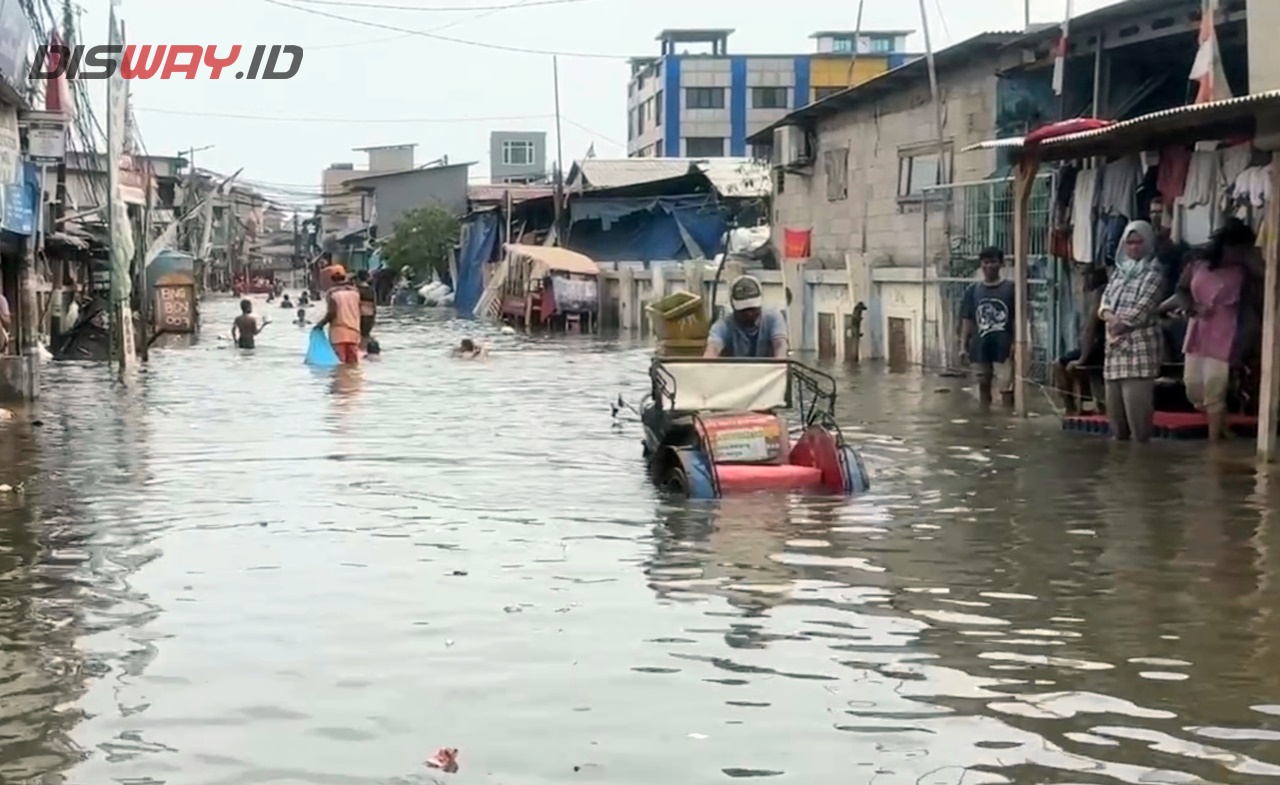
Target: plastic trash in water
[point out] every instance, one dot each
(320, 353)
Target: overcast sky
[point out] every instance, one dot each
(363, 85)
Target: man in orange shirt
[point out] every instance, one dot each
(343, 317)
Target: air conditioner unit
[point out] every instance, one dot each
(789, 146)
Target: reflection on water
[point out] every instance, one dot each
(245, 571)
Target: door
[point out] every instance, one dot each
(826, 336)
(898, 329)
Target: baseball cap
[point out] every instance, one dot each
(746, 293)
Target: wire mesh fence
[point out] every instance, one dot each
(975, 216)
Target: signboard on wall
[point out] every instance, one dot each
(46, 137)
(17, 203)
(175, 308)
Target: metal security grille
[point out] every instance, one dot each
(959, 221)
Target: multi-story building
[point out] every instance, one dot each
(341, 208)
(517, 156)
(703, 104)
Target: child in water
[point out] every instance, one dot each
(246, 327)
(302, 320)
(470, 350)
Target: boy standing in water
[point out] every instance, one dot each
(245, 328)
(986, 332)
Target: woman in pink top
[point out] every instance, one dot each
(1210, 293)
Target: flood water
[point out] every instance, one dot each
(243, 572)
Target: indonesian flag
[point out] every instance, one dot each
(1060, 57)
(1207, 69)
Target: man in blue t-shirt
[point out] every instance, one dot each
(751, 330)
(986, 328)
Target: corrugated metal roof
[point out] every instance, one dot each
(733, 177)
(497, 192)
(1147, 129)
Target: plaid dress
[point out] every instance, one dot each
(1138, 354)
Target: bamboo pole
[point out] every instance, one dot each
(1269, 389)
(1024, 176)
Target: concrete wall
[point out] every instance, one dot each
(340, 209)
(394, 195)
(537, 168)
(873, 224)
(390, 159)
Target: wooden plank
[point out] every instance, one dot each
(1024, 177)
(1269, 389)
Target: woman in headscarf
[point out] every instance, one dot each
(1130, 306)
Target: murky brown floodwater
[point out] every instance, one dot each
(247, 572)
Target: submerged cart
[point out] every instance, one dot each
(719, 426)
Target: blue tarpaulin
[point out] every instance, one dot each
(646, 229)
(320, 353)
(479, 238)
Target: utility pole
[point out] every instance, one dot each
(60, 192)
(559, 214)
(853, 58)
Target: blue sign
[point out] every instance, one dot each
(20, 200)
(15, 43)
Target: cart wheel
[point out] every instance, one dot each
(675, 481)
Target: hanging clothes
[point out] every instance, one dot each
(1235, 160)
(1203, 175)
(1120, 181)
(1172, 179)
(1086, 192)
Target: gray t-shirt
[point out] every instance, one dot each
(737, 342)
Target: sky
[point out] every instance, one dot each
(362, 84)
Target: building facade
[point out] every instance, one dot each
(340, 206)
(705, 105)
(388, 196)
(517, 156)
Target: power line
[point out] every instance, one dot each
(449, 39)
(366, 120)
(438, 9)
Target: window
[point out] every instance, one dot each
(918, 170)
(762, 151)
(657, 108)
(768, 98)
(704, 98)
(881, 45)
(842, 45)
(517, 153)
(657, 149)
(835, 166)
(704, 146)
(826, 92)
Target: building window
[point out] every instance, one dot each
(835, 166)
(919, 169)
(657, 108)
(657, 149)
(820, 93)
(517, 153)
(881, 45)
(704, 146)
(842, 45)
(768, 98)
(704, 98)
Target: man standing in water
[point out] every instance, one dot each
(986, 331)
(342, 316)
(751, 330)
(368, 306)
(245, 328)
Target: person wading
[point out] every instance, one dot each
(751, 330)
(986, 328)
(1134, 339)
(246, 327)
(1075, 369)
(368, 306)
(1210, 292)
(342, 316)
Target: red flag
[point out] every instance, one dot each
(57, 98)
(796, 243)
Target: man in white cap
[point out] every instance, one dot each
(751, 330)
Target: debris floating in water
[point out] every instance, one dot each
(445, 759)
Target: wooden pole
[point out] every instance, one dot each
(1269, 389)
(1024, 176)
(853, 56)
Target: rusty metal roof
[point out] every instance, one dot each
(1184, 124)
(497, 192)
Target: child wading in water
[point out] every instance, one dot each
(246, 327)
